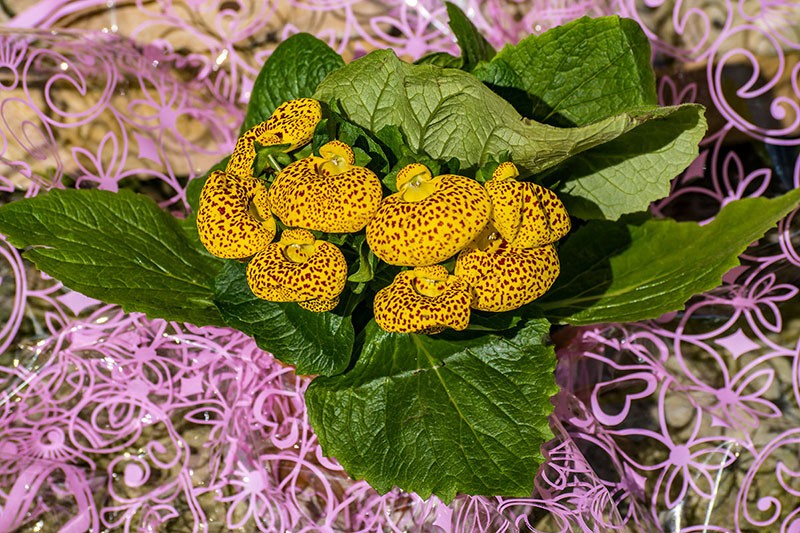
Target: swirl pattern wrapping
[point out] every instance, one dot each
(112, 421)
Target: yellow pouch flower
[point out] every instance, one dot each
(327, 193)
(423, 300)
(503, 277)
(526, 214)
(299, 268)
(233, 219)
(429, 219)
(292, 123)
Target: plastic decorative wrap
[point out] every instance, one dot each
(109, 421)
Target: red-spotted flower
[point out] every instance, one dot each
(525, 214)
(504, 277)
(423, 300)
(428, 219)
(299, 268)
(234, 219)
(291, 124)
(327, 193)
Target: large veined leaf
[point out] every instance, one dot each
(438, 414)
(117, 247)
(585, 71)
(314, 343)
(637, 269)
(446, 113)
(576, 74)
(627, 174)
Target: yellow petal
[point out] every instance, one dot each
(557, 216)
(506, 196)
(423, 300)
(327, 193)
(526, 215)
(415, 183)
(338, 157)
(292, 123)
(299, 268)
(505, 278)
(429, 219)
(319, 305)
(233, 218)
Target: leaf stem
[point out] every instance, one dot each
(273, 164)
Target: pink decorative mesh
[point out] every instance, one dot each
(109, 421)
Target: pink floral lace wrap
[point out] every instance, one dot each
(111, 422)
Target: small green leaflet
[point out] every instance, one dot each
(440, 59)
(117, 247)
(633, 269)
(367, 262)
(314, 343)
(440, 414)
(474, 47)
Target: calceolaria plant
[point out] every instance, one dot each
(409, 233)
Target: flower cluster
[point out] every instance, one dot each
(502, 233)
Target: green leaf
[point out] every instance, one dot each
(366, 261)
(440, 414)
(189, 227)
(586, 71)
(486, 321)
(637, 269)
(448, 113)
(628, 173)
(314, 343)
(294, 70)
(474, 47)
(576, 74)
(440, 59)
(363, 141)
(120, 248)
